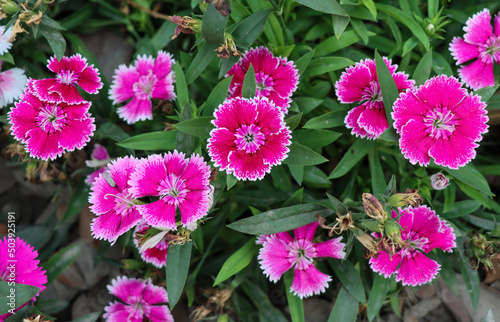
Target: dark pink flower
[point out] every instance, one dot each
(12, 83)
(422, 231)
(157, 254)
(70, 72)
(142, 301)
(250, 137)
(148, 79)
(178, 182)
(18, 264)
(50, 129)
(276, 77)
(280, 252)
(359, 83)
(481, 44)
(112, 201)
(440, 120)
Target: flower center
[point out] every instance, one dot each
(67, 77)
(173, 190)
(123, 202)
(440, 123)
(264, 84)
(490, 50)
(373, 95)
(414, 242)
(249, 138)
(51, 118)
(301, 253)
(144, 86)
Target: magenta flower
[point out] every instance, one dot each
(113, 202)
(359, 83)
(142, 301)
(99, 159)
(280, 252)
(12, 83)
(440, 120)
(70, 72)
(422, 232)
(50, 129)
(179, 183)
(149, 78)
(439, 181)
(276, 77)
(250, 137)
(481, 44)
(156, 255)
(18, 264)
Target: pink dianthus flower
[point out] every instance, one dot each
(359, 83)
(112, 201)
(156, 255)
(422, 231)
(280, 252)
(49, 129)
(142, 301)
(276, 78)
(27, 270)
(69, 72)
(440, 120)
(149, 78)
(250, 137)
(12, 83)
(480, 43)
(180, 183)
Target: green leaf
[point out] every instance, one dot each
(440, 65)
(7, 57)
(340, 17)
(389, 135)
(338, 206)
(462, 208)
(293, 121)
(471, 177)
(176, 270)
(278, 220)
(198, 126)
(37, 235)
(200, 62)
(237, 261)
(249, 87)
(323, 65)
(163, 35)
(160, 140)
(316, 178)
(181, 87)
(294, 302)
(377, 295)
(377, 174)
(370, 5)
(411, 43)
(91, 317)
(391, 187)
(249, 29)
(52, 306)
(307, 104)
(355, 153)
(449, 197)
(388, 87)
(78, 200)
(61, 260)
(214, 25)
(325, 121)
(295, 199)
(316, 138)
(487, 92)
(423, 70)
(217, 96)
(112, 131)
(267, 311)
(297, 172)
(470, 276)
(22, 294)
(303, 62)
(230, 181)
(185, 142)
(345, 308)
(56, 41)
(302, 155)
(350, 278)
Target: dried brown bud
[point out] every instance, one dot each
(373, 207)
(186, 25)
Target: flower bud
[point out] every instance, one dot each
(373, 207)
(393, 231)
(409, 197)
(439, 181)
(9, 7)
(367, 240)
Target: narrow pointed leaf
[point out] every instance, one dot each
(302, 155)
(387, 86)
(377, 295)
(249, 84)
(198, 126)
(61, 260)
(471, 177)
(176, 270)
(355, 153)
(160, 140)
(22, 294)
(237, 261)
(345, 308)
(424, 68)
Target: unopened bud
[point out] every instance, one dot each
(9, 7)
(409, 197)
(439, 181)
(393, 231)
(373, 207)
(367, 240)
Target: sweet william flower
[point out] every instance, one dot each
(440, 120)
(359, 84)
(422, 231)
(281, 252)
(481, 45)
(250, 137)
(12, 83)
(141, 301)
(138, 84)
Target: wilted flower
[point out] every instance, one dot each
(373, 207)
(439, 181)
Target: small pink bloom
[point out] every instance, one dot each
(70, 72)
(50, 129)
(439, 181)
(276, 77)
(281, 252)
(18, 264)
(99, 159)
(12, 83)
(156, 255)
(440, 120)
(179, 183)
(5, 35)
(422, 232)
(359, 83)
(112, 201)
(148, 79)
(250, 137)
(142, 301)
(480, 43)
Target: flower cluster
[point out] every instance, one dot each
(281, 252)
(148, 79)
(51, 116)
